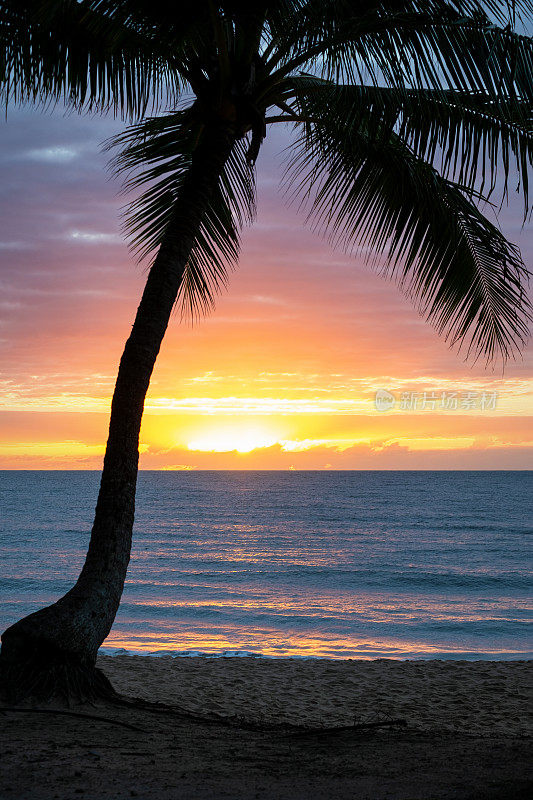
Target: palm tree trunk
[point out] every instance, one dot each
(51, 645)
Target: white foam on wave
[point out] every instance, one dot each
(370, 656)
(120, 651)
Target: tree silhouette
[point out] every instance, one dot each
(406, 116)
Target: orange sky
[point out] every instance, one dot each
(282, 375)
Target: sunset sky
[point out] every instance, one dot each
(283, 374)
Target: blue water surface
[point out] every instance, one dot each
(334, 564)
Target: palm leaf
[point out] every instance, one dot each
(471, 138)
(412, 44)
(156, 156)
(375, 192)
(89, 54)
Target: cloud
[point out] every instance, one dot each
(179, 468)
(304, 336)
(47, 439)
(299, 445)
(53, 155)
(15, 245)
(390, 455)
(95, 237)
(266, 300)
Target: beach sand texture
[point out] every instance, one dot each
(468, 736)
(476, 697)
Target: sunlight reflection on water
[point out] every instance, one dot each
(345, 565)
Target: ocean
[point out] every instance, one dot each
(360, 564)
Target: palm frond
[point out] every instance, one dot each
(412, 44)
(472, 138)
(91, 55)
(457, 267)
(156, 156)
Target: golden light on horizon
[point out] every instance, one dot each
(230, 439)
(261, 432)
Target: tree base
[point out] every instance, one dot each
(56, 677)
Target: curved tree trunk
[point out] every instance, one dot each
(54, 649)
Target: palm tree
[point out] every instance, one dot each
(406, 115)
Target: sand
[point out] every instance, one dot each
(468, 733)
(480, 697)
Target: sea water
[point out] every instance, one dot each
(314, 564)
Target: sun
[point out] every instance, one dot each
(241, 440)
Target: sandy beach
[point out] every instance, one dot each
(468, 733)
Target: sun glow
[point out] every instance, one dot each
(242, 440)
